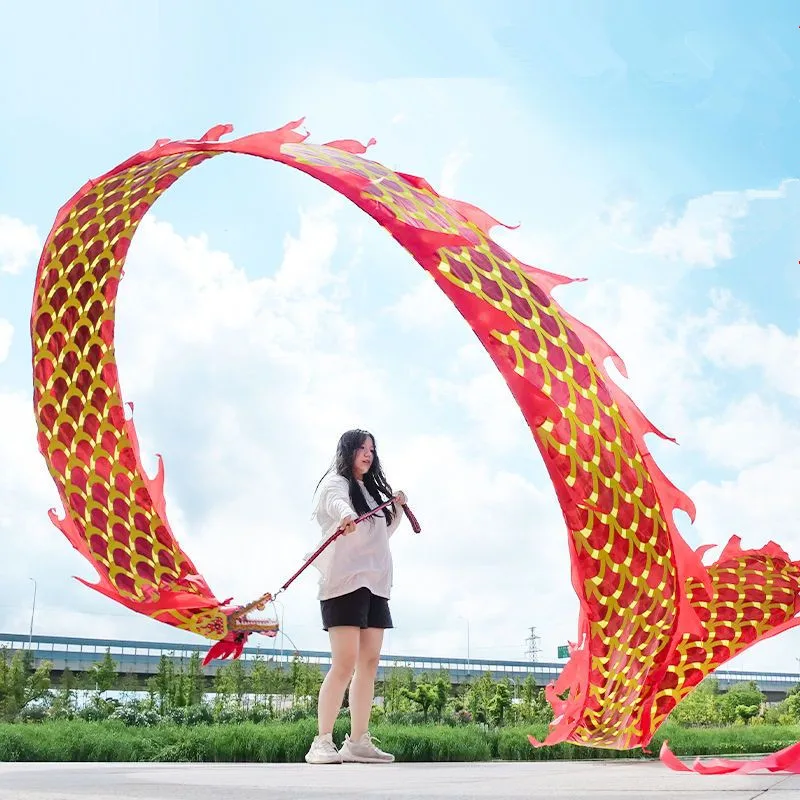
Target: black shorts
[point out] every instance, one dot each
(360, 609)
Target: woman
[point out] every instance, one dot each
(354, 590)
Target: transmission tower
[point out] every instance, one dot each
(532, 645)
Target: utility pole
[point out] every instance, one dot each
(532, 643)
(469, 660)
(33, 612)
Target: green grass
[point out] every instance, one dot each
(288, 742)
(512, 743)
(247, 742)
(732, 740)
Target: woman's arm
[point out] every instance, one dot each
(399, 514)
(335, 500)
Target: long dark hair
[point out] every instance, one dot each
(374, 480)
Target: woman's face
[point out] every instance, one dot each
(363, 458)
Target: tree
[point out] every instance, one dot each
(104, 673)
(528, 693)
(261, 679)
(307, 679)
(699, 707)
(180, 690)
(128, 683)
(64, 701)
(442, 695)
(424, 696)
(238, 678)
(230, 682)
(399, 678)
(68, 682)
(500, 703)
(194, 680)
(791, 706)
(20, 684)
(529, 690)
(745, 713)
(162, 683)
(744, 696)
(479, 697)
(294, 673)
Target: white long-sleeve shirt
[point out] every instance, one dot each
(359, 559)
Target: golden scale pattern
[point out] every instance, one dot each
(111, 516)
(734, 617)
(629, 576)
(631, 583)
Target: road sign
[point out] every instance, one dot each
(563, 651)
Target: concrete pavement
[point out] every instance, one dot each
(609, 780)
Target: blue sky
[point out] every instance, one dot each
(648, 148)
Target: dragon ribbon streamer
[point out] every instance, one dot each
(654, 620)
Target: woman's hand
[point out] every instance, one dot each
(400, 497)
(348, 524)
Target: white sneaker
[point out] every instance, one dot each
(323, 751)
(364, 751)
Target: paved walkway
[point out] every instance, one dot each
(610, 780)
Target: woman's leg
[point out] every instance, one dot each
(344, 653)
(362, 689)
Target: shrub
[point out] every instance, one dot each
(260, 714)
(138, 716)
(298, 713)
(97, 709)
(37, 713)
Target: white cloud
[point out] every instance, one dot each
(493, 550)
(702, 236)
(426, 308)
(745, 344)
(244, 383)
(657, 343)
(749, 431)
(759, 503)
(220, 369)
(6, 334)
(179, 297)
(453, 165)
(19, 243)
(474, 387)
(26, 493)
